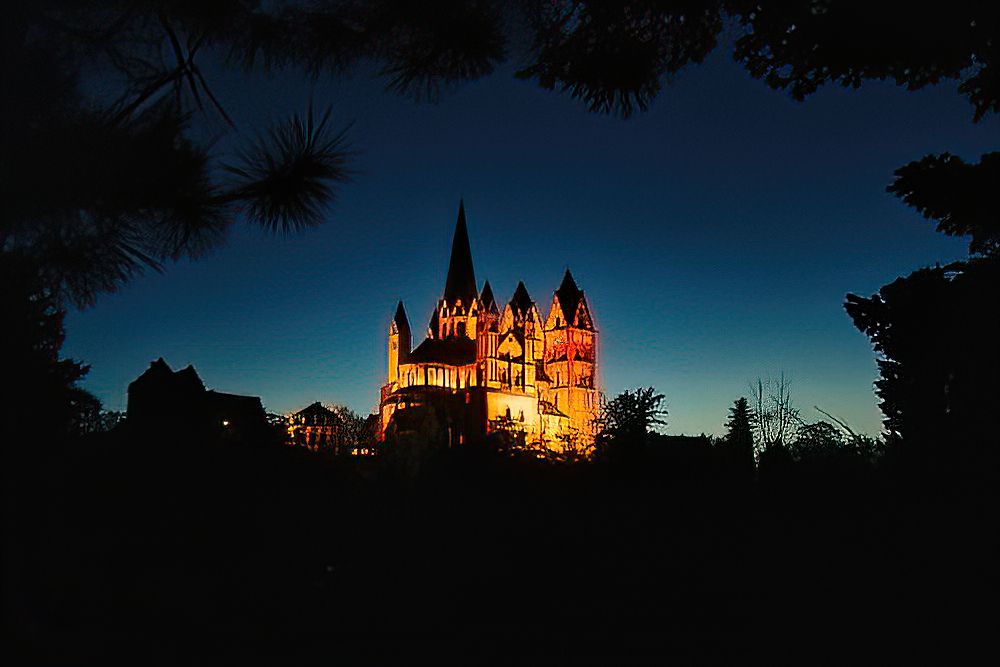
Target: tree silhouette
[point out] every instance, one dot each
(626, 422)
(96, 192)
(40, 399)
(800, 46)
(739, 431)
(936, 332)
(819, 441)
(960, 196)
(774, 417)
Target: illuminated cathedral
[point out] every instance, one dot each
(487, 368)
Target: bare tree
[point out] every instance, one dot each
(775, 420)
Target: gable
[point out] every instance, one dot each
(510, 347)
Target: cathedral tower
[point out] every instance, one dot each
(399, 342)
(488, 339)
(571, 356)
(455, 314)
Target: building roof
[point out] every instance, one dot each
(486, 298)
(400, 319)
(574, 304)
(159, 374)
(569, 297)
(315, 415)
(521, 303)
(457, 351)
(461, 281)
(315, 408)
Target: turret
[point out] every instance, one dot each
(570, 355)
(399, 342)
(487, 337)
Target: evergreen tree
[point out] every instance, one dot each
(739, 431)
(936, 331)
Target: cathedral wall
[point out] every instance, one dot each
(437, 375)
(523, 410)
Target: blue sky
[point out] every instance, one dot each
(715, 237)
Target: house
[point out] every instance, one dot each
(163, 401)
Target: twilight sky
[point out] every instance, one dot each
(714, 236)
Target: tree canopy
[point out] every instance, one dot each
(97, 189)
(936, 331)
(962, 197)
(626, 421)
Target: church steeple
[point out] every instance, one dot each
(461, 282)
(486, 299)
(521, 303)
(400, 322)
(569, 296)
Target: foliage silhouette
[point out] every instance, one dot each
(97, 192)
(960, 196)
(936, 330)
(819, 440)
(613, 55)
(626, 422)
(40, 400)
(800, 46)
(739, 438)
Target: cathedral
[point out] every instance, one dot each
(487, 368)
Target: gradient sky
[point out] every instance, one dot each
(715, 238)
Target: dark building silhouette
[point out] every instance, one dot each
(165, 401)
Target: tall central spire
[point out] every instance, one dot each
(461, 282)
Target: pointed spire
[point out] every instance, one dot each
(569, 297)
(400, 318)
(486, 298)
(461, 282)
(521, 303)
(400, 323)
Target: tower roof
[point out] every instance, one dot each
(569, 296)
(400, 319)
(486, 298)
(461, 282)
(521, 303)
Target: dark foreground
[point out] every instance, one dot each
(223, 552)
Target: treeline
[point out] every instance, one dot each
(674, 548)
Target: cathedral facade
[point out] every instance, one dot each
(488, 368)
